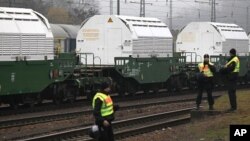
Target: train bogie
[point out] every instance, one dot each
(147, 73)
(24, 81)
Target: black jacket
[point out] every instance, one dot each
(211, 67)
(231, 76)
(206, 79)
(97, 111)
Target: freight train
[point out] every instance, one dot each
(131, 53)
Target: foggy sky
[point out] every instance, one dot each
(185, 11)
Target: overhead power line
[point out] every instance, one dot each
(142, 7)
(213, 8)
(111, 7)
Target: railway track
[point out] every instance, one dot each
(42, 118)
(83, 101)
(49, 106)
(16, 121)
(63, 116)
(123, 128)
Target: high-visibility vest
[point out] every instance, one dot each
(107, 104)
(206, 71)
(237, 61)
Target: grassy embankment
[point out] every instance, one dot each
(216, 128)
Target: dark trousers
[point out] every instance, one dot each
(107, 133)
(232, 94)
(208, 86)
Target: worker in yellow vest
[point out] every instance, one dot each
(232, 69)
(104, 112)
(205, 81)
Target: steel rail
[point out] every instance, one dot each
(41, 118)
(123, 128)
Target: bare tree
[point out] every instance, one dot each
(78, 10)
(58, 15)
(40, 6)
(7, 3)
(58, 11)
(37, 5)
(80, 14)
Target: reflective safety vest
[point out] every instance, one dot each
(237, 66)
(206, 71)
(107, 104)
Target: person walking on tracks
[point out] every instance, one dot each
(104, 112)
(232, 69)
(205, 81)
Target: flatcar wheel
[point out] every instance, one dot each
(32, 104)
(70, 95)
(29, 100)
(33, 101)
(90, 93)
(156, 90)
(13, 105)
(39, 99)
(169, 87)
(131, 90)
(121, 93)
(178, 85)
(120, 90)
(246, 80)
(72, 100)
(174, 84)
(57, 100)
(146, 91)
(57, 94)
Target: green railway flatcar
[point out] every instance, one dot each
(148, 73)
(28, 65)
(26, 80)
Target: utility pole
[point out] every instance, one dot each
(213, 8)
(52, 3)
(213, 11)
(247, 19)
(118, 7)
(11, 3)
(170, 15)
(81, 2)
(199, 14)
(142, 8)
(111, 7)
